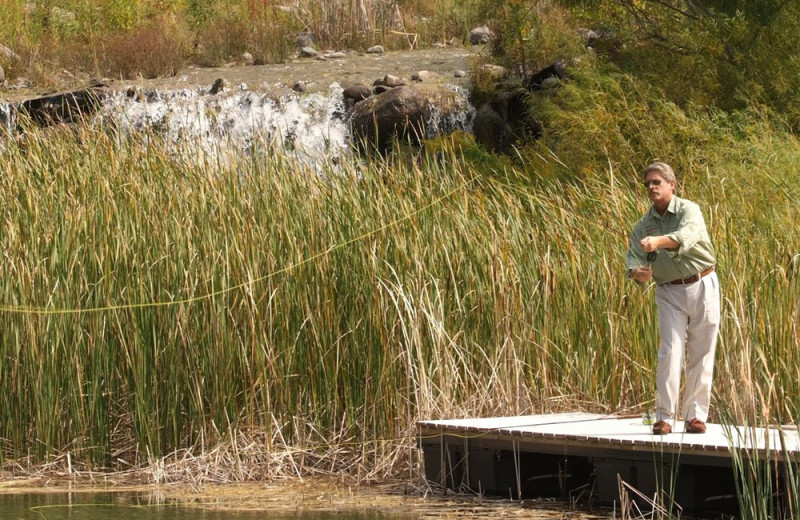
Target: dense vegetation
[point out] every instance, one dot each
(152, 305)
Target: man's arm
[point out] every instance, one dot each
(650, 244)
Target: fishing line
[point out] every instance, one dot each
(208, 296)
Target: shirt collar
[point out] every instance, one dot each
(672, 208)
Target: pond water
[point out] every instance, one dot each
(135, 506)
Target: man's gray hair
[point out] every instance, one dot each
(663, 169)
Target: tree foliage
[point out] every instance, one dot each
(729, 53)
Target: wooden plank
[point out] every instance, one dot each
(587, 430)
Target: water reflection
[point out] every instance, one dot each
(145, 506)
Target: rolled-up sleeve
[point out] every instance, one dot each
(691, 229)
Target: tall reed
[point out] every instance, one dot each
(153, 303)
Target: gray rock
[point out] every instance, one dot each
(459, 74)
(248, 59)
(424, 75)
(392, 81)
(399, 113)
(336, 55)
(2, 76)
(304, 39)
(480, 35)
(376, 49)
(9, 54)
(300, 86)
(357, 92)
(308, 52)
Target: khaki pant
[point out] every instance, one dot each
(688, 320)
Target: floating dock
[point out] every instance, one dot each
(567, 454)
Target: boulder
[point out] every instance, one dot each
(399, 113)
(502, 121)
(64, 107)
(217, 87)
(376, 49)
(308, 52)
(424, 75)
(480, 35)
(8, 54)
(548, 77)
(357, 92)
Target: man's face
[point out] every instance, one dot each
(659, 190)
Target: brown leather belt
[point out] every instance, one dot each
(692, 279)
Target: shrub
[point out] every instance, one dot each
(148, 51)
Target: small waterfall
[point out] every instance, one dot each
(312, 127)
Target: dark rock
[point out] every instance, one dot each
(503, 121)
(64, 107)
(217, 87)
(399, 113)
(357, 92)
(539, 80)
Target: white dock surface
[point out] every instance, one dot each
(623, 433)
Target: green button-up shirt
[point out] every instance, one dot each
(683, 222)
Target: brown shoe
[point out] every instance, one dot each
(661, 428)
(695, 426)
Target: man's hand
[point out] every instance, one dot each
(650, 244)
(641, 274)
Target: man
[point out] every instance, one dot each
(671, 246)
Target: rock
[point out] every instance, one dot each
(491, 73)
(336, 55)
(480, 35)
(398, 113)
(308, 52)
(376, 49)
(548, 77)
(64, 107)
(2, 76)
(459, 74)
(217, 87)
(248, 59)
(424, 75)
(21, 82)
(300, 86)
(392, 81)
(304, 39)
(502, 121)
(8, 54)
(357, 92)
